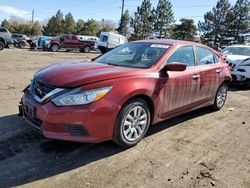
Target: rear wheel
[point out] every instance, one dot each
(22, 44)
(1, 45)
(132, 123)
(220, 97)
(54, 48)
(86, 49)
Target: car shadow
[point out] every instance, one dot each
(27, 156)
(239, 87)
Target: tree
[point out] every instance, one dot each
(36, 29)
(241, 19)
(69, 24)
(216, 26)
(80, 27)
(123, 25)
(143, 21)
(6, 24)
(55, 25)
(91, 27)
(186, 30)
(164, 17)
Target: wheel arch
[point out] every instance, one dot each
(147, 99)
(2, 40)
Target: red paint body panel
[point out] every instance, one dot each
(171, 93)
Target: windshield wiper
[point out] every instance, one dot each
(113, 64)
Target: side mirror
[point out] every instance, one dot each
(175, 66)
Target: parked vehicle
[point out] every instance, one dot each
(43, 42)
(85, 37)
(19, 40)
(109, 40)
(5, 38)
(238, 58)
(33, 42)
(122, 92)
(71, 42)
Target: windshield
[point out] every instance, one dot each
(237, 51)
(136, 55)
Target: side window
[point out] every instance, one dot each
(3, 30)
(216, 59)
(204, 56)
(183, 55)
(66, 37)
(74, 37)
(62, 38)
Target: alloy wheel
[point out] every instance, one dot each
(135, 123)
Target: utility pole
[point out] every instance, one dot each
(122, 8)
(32, 17)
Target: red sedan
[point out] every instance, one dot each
(119, 94)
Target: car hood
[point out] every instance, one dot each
(73, 74)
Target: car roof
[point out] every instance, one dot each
(171, 42)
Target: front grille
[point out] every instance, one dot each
(40, 89)
(36, 122)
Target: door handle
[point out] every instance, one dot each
(196, 77)
(218, 70)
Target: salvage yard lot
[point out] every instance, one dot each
(202, 148)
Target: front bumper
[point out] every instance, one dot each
(86, 123)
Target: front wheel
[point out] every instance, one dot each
(22, 44)
(132, 123)
(220, 97)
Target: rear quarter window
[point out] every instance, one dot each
(204, 56)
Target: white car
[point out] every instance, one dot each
(238, 57)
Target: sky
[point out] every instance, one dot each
(97, 9)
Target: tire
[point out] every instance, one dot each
(22, 44)
(54, 48)
(86, 49)
(132, 123)
(220, 97)
(1, 45)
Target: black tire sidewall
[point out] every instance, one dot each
(215, 105)
(86, 49)
(118, 134)
(22, 44)
(56, 48)
(1, 45)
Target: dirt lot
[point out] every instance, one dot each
(202, 148)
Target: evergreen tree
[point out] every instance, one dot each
(241, 19)
(164, 17)
(80, 27)
(216, 26)
(69, 24)
(124, 22)
(143, 21)
(6, 25)
(55, 25)
(186, 30)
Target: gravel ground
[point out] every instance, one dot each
(201, 148)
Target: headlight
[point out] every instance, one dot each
(78, 97)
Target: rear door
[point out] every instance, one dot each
(181, 88)
(210, 70)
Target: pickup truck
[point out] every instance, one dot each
(5, 38)
(71, 42)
